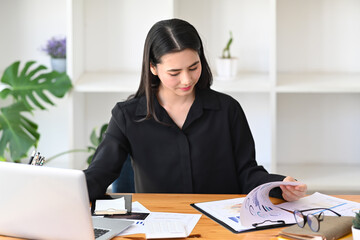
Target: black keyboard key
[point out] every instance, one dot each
(99, 232)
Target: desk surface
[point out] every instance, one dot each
(205, 228)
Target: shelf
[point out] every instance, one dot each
(108, 82)
(325, 178)
(129, 82)
(317, 36)
(318, 82)
(252, 82)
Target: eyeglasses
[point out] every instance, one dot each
(312, 219)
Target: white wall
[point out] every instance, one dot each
(25, 27)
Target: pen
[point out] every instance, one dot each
(32, 157)
(35, 159)
(41, 162)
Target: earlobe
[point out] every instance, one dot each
(153, 69)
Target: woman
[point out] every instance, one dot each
(183, 137)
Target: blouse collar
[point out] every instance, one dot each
(204, 99)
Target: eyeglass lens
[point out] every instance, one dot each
(311, 219)
(313, 222)
(299, 218)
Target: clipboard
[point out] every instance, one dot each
(247, 229)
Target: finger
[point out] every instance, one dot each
(300, 192)
(301, 188)
(290, 196)
(289, 179)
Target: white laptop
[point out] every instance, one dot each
(49, 203)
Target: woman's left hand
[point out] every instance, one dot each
(293, 193)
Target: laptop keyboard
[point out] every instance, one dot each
(99, 232)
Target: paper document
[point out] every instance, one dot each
(113, 206)
(161, 225)
(238, 214)
(319, 200)
(258, 209)
(170, 225)
(226, 211)
(138, 225)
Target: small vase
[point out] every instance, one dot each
(226, 68)
(355, 233)
(58, 64)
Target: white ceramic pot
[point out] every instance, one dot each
(355, 233)
(58, 64)
(226, 68)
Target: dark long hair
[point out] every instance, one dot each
(164, 37)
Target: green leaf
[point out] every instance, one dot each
(19, 133)
(90, 159)
(227, 47)
(29, 86)
(102, 132)
(96, 140)
(91, 149)
(356, 220)
(93, 138)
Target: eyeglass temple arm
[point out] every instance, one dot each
(320, 209)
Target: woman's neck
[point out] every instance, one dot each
(177, 107)
(169, 100)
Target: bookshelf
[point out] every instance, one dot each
(298, 81)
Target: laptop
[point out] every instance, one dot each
(49, 203)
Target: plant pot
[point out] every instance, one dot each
(355, 233)
(58, 64)
(226, 68)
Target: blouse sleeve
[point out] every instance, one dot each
(250, 174)
(109, 156)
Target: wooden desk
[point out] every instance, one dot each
(205, 228)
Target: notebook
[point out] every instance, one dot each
(49, 203)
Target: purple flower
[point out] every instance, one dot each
(56, 47)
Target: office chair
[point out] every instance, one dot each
(125, 182)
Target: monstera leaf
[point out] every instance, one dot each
(27, 84)
(28, 87)
(19, 133)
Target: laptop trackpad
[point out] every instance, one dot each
(115, 226)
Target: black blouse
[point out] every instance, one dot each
(214, 151)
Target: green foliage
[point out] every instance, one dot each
(226, 51)
(96, 140)
(18, 132)
(356, 220)
(26, 87)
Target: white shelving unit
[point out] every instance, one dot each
(298, 82)
(318, 86)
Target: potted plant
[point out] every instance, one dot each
(95, 141)
(356, 227)
(29, 88)
(56, 49)
(226, 65)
